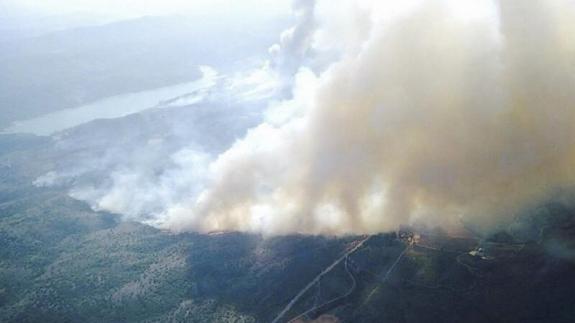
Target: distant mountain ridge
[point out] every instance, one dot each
(73, 67)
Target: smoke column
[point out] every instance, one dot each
(438, 112)
(289, 54)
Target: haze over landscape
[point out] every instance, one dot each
(287, 161)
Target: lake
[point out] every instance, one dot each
(115, 106)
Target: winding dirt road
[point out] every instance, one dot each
(296, 298)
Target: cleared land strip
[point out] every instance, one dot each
(333, 301)
(294, 300)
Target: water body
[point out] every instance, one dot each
(114, 107)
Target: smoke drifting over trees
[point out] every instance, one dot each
(445, 112)
(438, 112)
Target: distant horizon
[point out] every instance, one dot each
(129, 9)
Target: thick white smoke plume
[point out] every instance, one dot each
(295, 43)
(438, 111)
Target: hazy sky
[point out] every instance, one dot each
(132, 8)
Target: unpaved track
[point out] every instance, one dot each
(351, 289)
(294, 300)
